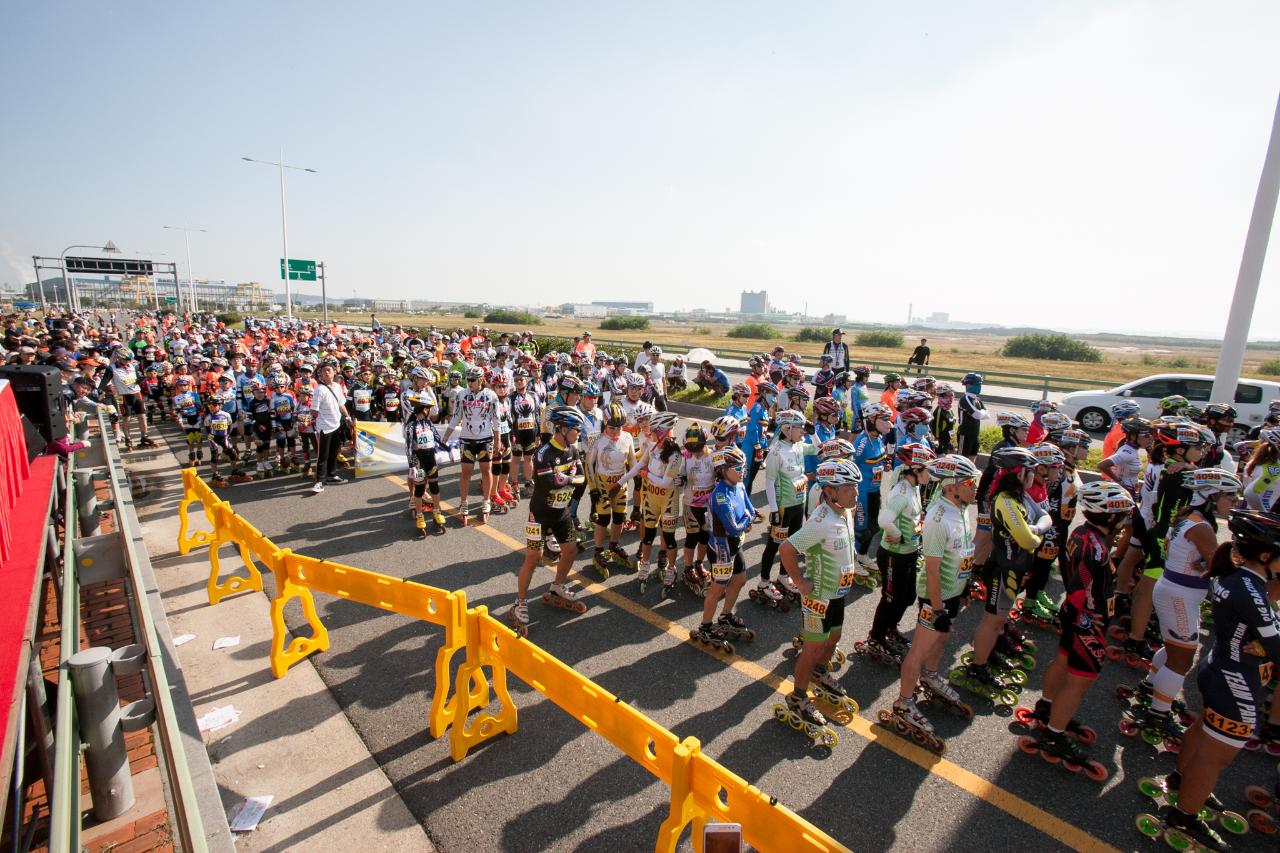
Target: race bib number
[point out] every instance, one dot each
(800, 484)
(876, 475)
(425, 440)
(524, 424)
(966, 566)
(393, 404)
(1047, 551)
(363, 399)
(533, 531)
(559, 499)
(668, 524)
(984, 520)
(722, 571)
(846, 581)
(814, 611)
(700, 494)
(814, 605)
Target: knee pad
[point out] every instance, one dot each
(619, 518)
(418, 489)
(434, 485)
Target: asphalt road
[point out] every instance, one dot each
(555, 786)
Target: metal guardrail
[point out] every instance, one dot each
(90, 557)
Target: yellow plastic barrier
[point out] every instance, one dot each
(701, 788)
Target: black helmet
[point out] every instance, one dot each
(1007, 458)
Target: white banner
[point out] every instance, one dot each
(379, 448)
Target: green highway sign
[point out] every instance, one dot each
(171, 299)
(299, 270)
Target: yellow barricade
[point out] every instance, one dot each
(701, 789)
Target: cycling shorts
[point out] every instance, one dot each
(524, 442)
(926, 615)
(129, 404)
(477, 449)
(1084, 648)
(820, 618)
(1230, 706)
(657, 507)
(1178, 608)
(540, 525)
(1003, 580)
(605, 505)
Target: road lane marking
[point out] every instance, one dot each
(1029, 813)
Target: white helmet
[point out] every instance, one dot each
(1211, 481)
(1105, 496)
(662, 421)
(1048, 454)
(1011, 419)
(838, 472)
(789, 418)
(953, 466)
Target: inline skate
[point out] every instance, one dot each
(801, 714)
(519, 617)
(905, 720)
(1058, 748)
(1038, 717)
(1267, 738)
(668, 578)
(767, 594)
(830, 693)
(787, 589)
(616, 555)
(732, 626)
(1157, 729)
(1003, 667)
(1180, 831)
(565, 596)
(1019, 640)
(601, 564)
(877, 651)
(935, 690)
(713, 637)
(981, 681)
(1265, 814)
(696, 580)
(838, 658)
(1165, 793)
(420, 522)
(1140, 698)
(865, 572)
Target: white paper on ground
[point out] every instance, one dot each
(250, 812)
(218, 717)
(183, 638)
(226, 642)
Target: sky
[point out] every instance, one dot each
(1058, 164)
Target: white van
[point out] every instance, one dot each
(1093, 408)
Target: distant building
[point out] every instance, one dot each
(399, 306)
(939, 317)
(754, 302)
(632, 307)
(578, 309)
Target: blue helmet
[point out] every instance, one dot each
(568, 417)
(1125, 409)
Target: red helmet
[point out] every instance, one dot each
(914, 415)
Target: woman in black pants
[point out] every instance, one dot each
(329, 402)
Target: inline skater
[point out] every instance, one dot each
(946, 542)
(501, 495)
(284, 411)
(216, 426)
(1124, 463)
(1220, 419)
(942, 423)
(1262, 473)
(1183, 586)
(826, 542)
(1089, 578)
(1037, 431)
(858, 396)
(1184, 446)
(478, 413)
(1246, 640)
(421, 441)
(1050, 481)
(1013, 430)
(699, 479)
(557, 468)
(901, 522)
(306, 428)
(972, 414)
(123, 382)
(785, 485)
(526, 408)
(1120, 413)
(752, 423)
(1018, 529)
(729, 517)
(262, 428)
(607, 462)
(659, 468)
(869, 455)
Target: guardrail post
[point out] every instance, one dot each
(1044, 388)
(87, 503)
(103, 723)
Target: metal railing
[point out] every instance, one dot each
(94, 556)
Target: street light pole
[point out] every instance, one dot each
(191, 276)
(1236, 338)
(284, 224)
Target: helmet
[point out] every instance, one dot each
(416, 373)
(1261, 529)
(838, 472)
(694, 437)
(766, 389)
(724, 426)
(1193, 412)
(1271, 436)
(892, 377)
(1273, 407)
(741, 388)
(349, 364)
(499, 379)
(971, 379)
(474, 373)
(876, 410)
(755, 361)
(1048, 454)
(862, 371)
(1181, 435)
(923, 383)
(1054, 421)
(643, 411)
(1011, 458)
(615, 415)
(520, 373)
(914, 454)
(953, 466)
(1174, 403)
(728, 457)
(564, 358)
(1042, 406)
(455, 374)
(567, 417)
(635, 380)
(1220, 410)
(1211, 481)
(121, 354)
(662, 421)
(794, 372)
(590, 389)
(798, 394)
(1011, 420)
(826, 406)
(833, 447)
(655, 350)
(182, 379)
(279, 380)
(1105, 496)
(570, 384)
(789, 418)
(1070, 438)
(914, 415)
(1136, 426)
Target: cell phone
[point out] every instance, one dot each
(722, 838)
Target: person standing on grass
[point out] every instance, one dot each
(920, 356)
(838, 350)
(329, 403)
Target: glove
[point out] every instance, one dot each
(596, 494)
(942, 621)
(775, 518)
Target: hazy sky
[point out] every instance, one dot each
(1073, 164)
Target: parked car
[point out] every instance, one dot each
(1093, 408)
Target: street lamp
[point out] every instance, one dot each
(191, 276)
(284, 225)
(73, 302)
(151, 278)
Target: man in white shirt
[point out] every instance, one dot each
(329, 402)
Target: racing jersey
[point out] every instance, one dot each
(1088, 575)
(629, 409)
(699, 477)
(663, 474)
(948, 536)
(217, 425)
(244, 384)
(419, 435)
(1011, 529)
(124, 379)
(478, 414)
(868, 455)
(731, 511)
(283, 409)
(1244, 627)
(504, 417)
(188, 403)
(900, 513)
(1262, 491)
(306, 419)
(362, 400)
(555, 470)
(784, 480)
(610, 458)
(1147, 492)
(595, 424)
(1127, 464)
(1183, 564)
(1171, 496)
(230, 402)
(388, 399)
(825, 541)
(411, 397)
(524, 407)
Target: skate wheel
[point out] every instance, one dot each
(1151, 788)
(1072, 766)
(795, 722)
(1028, 662)
(1024, 716)
(580, 607)
(749, 635)
(546, 598)
(1027, 745)
(919, 737)
(939, 746)
(830, 739)
(1115, 632)
(884, 715)
(1233, 822)
(1151, 738)
(1095, 771)
(1252, 744)
(1086, 734)
(1115, 653)
(1128, 728)
(780, 712)
(1148, 825)
(966, 658)
(1008, 698)
(1259, 796)
(1262, 822)
(963, 710)
(1016, 676)
(1172, 745)
(1178, 840)
(839, 658)
(1272, 748)
(1123, 691)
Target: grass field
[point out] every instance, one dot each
(950, 349)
